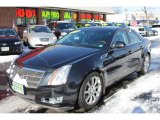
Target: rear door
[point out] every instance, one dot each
(135, 51)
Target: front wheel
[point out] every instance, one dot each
(145, 64)
(90, 91)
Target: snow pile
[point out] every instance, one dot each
(125, 100)
(9, 58)
(15, 104)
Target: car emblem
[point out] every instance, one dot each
(4, 44)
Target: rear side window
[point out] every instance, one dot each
(133, 38)
(120, 36)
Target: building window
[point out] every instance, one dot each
(26, 16)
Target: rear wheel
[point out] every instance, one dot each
(145, 64)
(90, 91)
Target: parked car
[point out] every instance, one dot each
(140, 30)
(10, 41)
(61, 28)
(150, 32)
(105, 23)
(156, 27)
(76, 70)
(86, 24)
(38, 36)
(123, 25)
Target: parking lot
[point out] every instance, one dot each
(140, 93)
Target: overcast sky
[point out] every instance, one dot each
(150, 9)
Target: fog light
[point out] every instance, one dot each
(52, 100)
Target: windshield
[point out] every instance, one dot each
(39, 29)
(87, 38)
(7, 32)
(63, 26)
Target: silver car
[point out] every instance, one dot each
(38, 36)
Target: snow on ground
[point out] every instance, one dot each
(9, 58)
(141, 95)
(13, 104)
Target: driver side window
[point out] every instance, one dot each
(120, 36)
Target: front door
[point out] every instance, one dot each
(117, 67)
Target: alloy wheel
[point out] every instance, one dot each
(92, 90)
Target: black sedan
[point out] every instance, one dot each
(10, 42)
(150, 32)
(76, 70)
(61, 28)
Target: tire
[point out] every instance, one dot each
(24, 43)
(145, 64)
(29, 46)
(90, 91)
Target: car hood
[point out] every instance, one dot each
(54, 56)
(41, 35)
(9, 38)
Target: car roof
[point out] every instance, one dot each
(6, 27)
(112, 28)
(36, 25)
(60, 22)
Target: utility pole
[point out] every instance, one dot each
(126, 10)
(146, 14)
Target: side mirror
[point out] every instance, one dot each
(119, 44)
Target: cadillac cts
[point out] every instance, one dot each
(76, 70)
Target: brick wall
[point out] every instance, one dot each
(7, 15)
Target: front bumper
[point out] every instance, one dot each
(12, 49)
(51, 97)
(39, 43)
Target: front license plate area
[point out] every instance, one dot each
(4, 48)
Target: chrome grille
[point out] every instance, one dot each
(44, 39)
(32, 76)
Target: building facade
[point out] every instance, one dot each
(20, 17)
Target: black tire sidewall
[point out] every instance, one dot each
(142, 69)
(81, 100)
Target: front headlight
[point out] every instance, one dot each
(60, 75)
(53, 38)
(63, 33)
(10, 67)
(34, 38)
(17, 43)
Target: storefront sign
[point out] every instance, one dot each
(96, 17)
(100, 17)
(67, 15)
(29, 13)
(74, 16)
(88, 17)
(47, 14)
(83, 16)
